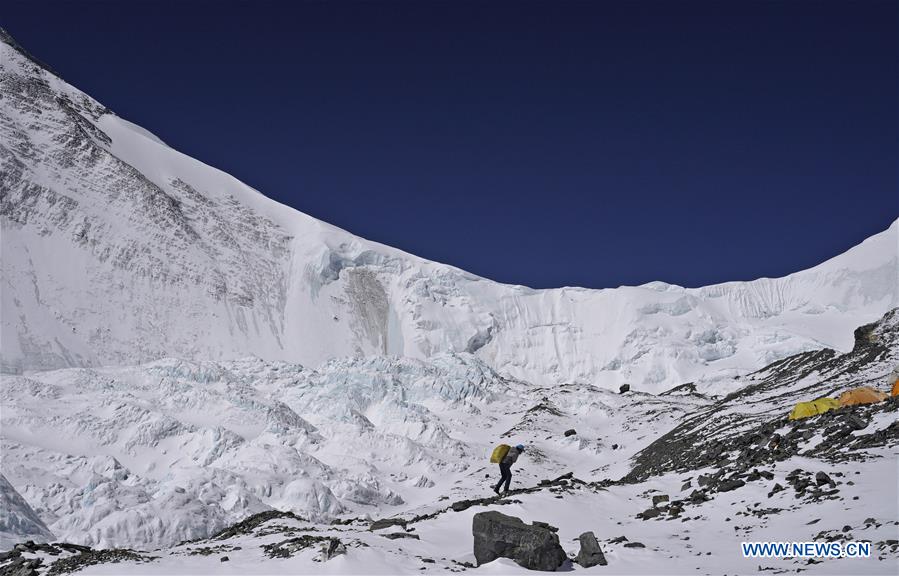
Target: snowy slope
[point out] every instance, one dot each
(175, 450)
(119, 250)
(148, 457)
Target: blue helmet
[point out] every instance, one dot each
(520, 447)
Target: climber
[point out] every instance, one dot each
(505, 467)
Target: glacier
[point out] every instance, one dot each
(119, 250)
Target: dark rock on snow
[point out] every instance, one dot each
(698, 496)
(397, 535)
(650, 513)
(387, 523)
(332, 548)
(729, 485)
(462, 505)
(571, 432)
(289, 547)
(656, 500)
(855, 422)
(499, 536)
(624, 388)
(249, 524)
(777, 488)
(95, 557)
(590, 553)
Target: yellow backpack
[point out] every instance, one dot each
(499, 453)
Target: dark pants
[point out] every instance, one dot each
(505, 471)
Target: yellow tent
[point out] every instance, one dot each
(863, 395)
(813, 408)
(895, 391)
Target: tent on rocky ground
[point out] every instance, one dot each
(813, 408)
(862, 395)
(894, 378)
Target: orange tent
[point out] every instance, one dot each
(895, 391)
(863, 395)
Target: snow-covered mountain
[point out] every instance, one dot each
(17, 520)
(191, 368)
(153, 456)
(119, 250)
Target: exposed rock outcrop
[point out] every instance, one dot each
(499, 536)
(590, 553)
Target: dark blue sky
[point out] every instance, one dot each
(542, 143)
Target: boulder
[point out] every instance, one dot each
(590, 553)
(635, 545)
(777, 488)
(656, 500)
(650, 513)
(729, 485)
(855, 422)
(499, 536)
(795, 473)
(571, 432)
(698, 496)
(332, 548)
(387, 523)
(398, 535)
(624, 388)
(822, 478)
